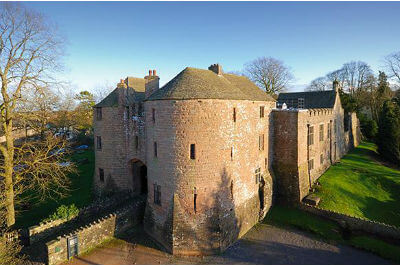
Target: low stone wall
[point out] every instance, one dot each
(355, 224)
(39, 232)
(92, 234)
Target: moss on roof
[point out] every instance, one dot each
(193, 83)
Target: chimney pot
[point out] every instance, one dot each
(149, 72)
(154, 73)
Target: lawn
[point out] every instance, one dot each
(329, 231)
(80, 193)
(361, 186)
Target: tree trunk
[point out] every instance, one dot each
(8, 173)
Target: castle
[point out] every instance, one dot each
(211, 150)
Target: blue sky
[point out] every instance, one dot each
(111, 40)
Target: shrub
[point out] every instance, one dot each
(64, 212)
(388, 139)
(369, 127)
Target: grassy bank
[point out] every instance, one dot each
(329, 231)
(361, 186)
(80, 193)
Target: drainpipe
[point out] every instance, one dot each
(308, 155)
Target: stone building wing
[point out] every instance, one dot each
(311, 100)
(134, 92)
(193, 83)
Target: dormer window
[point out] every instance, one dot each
(300, 103)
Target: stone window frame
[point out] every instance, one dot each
(157, 194)
(329, 130)
(262, 112)
(311, 164)
(155, 149)
(261, 142)
(101, 175)
(192, 151)
(321, 159)
(257, 174)
(98, 143)
(99, 113)
(310, 135)
(321, 132)
(234, 115)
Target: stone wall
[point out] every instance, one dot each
(292, 155)
(94, 233)
(222, 175)
(120, 127)
(355, 224)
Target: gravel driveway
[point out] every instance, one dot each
(264, 244)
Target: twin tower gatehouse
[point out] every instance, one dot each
(204, 148)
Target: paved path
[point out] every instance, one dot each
(264, 244)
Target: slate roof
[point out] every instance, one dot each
(193, 83)
(136, 92)
(312, 100)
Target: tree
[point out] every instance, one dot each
(392, 63)
(84, 110)
(29, 51)
(388, 139)
(319, 84)
(270, 74)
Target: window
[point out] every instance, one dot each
(136, 142)
(127, 112)
(266, 163)
(232, 189)
(234, 114)
(311, 164)
(300, 103)
(262, 112)
(261, 142)
(258, 175)
(101, 174)
(329, 130)
(195, 199)
(321, 132)
(310, 139)
(98, 142)
(99, 114)
(153, 115)
(321, 159)
(157, 194)
(192, 151)
(140, 109)
(231, 153)
(155, 149)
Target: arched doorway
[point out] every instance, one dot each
(139, 175)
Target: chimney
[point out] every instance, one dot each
(216, 68)
(151, 83)
(121, 84)
(336, 85)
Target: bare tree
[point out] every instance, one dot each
(29, 52)
(270, 74)
(319, 84)
(101, 91)
(392, 63)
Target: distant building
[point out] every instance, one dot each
(203, 148)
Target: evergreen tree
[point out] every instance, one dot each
(388, 139)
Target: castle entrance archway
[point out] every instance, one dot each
(139, 175)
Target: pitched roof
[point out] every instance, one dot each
(135, 92)
(193, 83)
(312, 100)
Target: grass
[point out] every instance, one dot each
(80, 193)
(361, 186)
(328, 231)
